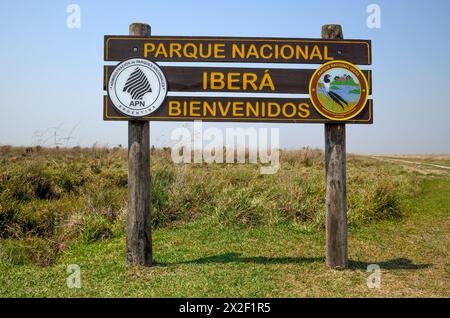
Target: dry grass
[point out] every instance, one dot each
(55, 196)
(221, 230)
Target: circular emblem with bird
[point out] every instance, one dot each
(137, 87)
(338, 90)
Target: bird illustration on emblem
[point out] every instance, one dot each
(334, 96)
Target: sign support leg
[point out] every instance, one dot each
(138, 225)
(335, 178)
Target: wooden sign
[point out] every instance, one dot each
(235, 109)
(139, 89)
(234, 49)
(234, 80)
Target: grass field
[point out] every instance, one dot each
(220, 230)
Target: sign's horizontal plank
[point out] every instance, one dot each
(234, 49)
(243, 80)
(235, 109)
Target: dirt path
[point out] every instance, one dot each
(422, 169)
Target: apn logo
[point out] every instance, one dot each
(137, 86)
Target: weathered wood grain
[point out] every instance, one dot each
(335, 176)
(138, 225)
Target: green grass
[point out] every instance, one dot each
(55, 197)
(208, 245)
(204, 260)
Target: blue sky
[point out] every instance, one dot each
(52, 75)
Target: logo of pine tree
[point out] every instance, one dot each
(137, 84)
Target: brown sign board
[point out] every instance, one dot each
(236, 109)
(244, 80)
(235, 49)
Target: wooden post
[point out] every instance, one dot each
(138, 227)
(335, 178)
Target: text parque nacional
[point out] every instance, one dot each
(239, 51)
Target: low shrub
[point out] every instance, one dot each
(29, 250)
(95, 228)
(52, 197)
